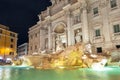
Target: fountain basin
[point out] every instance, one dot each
(13, 73)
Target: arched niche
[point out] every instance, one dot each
(59, 28)
(60, 34)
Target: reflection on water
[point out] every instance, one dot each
(1, 73)
(9, 73)
(5, 74)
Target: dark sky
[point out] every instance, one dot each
(19, 15)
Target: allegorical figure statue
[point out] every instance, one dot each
(77, 37)
(88, 48)
(59, 45)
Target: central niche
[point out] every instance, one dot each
(60, 35)
(60, 28)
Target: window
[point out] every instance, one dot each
(35, 34)
(35, 47)
(95, 11)
(11, 46)
(11, 53)
(11, 39)
(113, 3)
(116, 28)
(97, 32)
(99, 50)
(12, 35)
(0, 31)
(118, 46)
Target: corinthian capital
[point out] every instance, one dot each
(84, 5)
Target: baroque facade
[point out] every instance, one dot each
(71, 21)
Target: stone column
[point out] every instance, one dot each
(49, 32)
(106, 25)
(68, 16)
(85, 25)
(53, 41)
(41, 43)
(49, 36)
(39, 48)
(69, 27)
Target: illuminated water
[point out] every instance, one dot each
(24, 73)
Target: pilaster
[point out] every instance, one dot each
(68, 16)
(85, 25)
(49, 32)
(106, 25)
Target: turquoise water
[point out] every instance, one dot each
(25, 73)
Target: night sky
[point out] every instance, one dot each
(19, 15)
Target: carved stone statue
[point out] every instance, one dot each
(59, 45)
(77, 37)
(88, 48)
